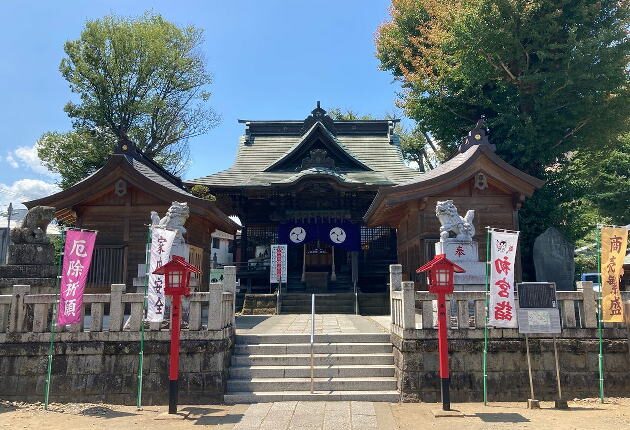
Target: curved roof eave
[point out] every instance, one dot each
(438, 179)
(73, 196)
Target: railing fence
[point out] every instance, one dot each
(116, 311)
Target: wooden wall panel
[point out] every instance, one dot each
(493, 207)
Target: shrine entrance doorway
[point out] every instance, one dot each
(317, 267)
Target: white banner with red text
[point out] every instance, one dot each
(161, 244)
(502, 306)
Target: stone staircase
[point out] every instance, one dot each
(270, 368)
(300, 303)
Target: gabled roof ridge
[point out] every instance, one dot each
(134, 153)
(306, 136)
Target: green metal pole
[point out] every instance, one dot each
(53, 322)
(485, 328)
(147, 260)
(600, 316)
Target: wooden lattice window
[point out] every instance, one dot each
(260, 235)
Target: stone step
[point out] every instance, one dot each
(318, 348)
(257, 339)
(304, 359)
(372, 383)
(292, 310)
(342, 371)
(277, 396)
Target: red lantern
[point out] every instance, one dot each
(441, 274)
(177, 277)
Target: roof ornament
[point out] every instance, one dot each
(318, 158)
(477, 136)
(319, 115)
(125, 146)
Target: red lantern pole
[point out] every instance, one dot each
(176, 287)
(173, 374)
(441, 283)
(443, 352)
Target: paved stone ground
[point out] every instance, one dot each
(309, 415)
(583, 414)
(301, 324)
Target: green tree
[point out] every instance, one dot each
(139, 80)
(550, 78)
(74, 154)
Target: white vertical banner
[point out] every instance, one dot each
(278, 264)
(502, 257)
(161, 243)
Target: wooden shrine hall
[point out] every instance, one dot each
(340, 195)
(117, 201)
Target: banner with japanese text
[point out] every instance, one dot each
(278, 264)
(502, 257)
(161, 244)
(77, 257)
(613, 251)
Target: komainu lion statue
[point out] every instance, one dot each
(174, 219)
(34, 226)
(451, 221)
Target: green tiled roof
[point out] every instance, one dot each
(377, 151)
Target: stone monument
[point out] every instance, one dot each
(31, 255)
(554, 259)
(456, 241)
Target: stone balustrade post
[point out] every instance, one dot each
(589, 303)
(116, 307)
(17, 311)
(395, 279)
(229, 284)
(215, 305)
(408, 309)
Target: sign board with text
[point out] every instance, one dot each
(278, 264)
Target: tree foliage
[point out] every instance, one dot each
(139, 80)
(550, 78)
(74, 154)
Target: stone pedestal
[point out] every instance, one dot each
(31, 254)
(30, 264)
(466, 255)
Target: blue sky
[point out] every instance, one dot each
(270, 60)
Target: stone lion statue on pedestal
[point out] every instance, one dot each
(451, 221)
(174, 219)
(34, 225)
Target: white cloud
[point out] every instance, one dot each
(28, 156)
(24, 190)
(25, 156)
(12, 161)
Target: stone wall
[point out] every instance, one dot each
(94, 367)
(259, 304)
(417, 366)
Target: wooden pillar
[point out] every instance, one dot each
(333, 275)
(244, 256)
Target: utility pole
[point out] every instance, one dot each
(7, 241)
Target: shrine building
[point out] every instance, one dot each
(340, 195)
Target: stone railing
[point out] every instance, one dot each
(106, 314)
(414, 311)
